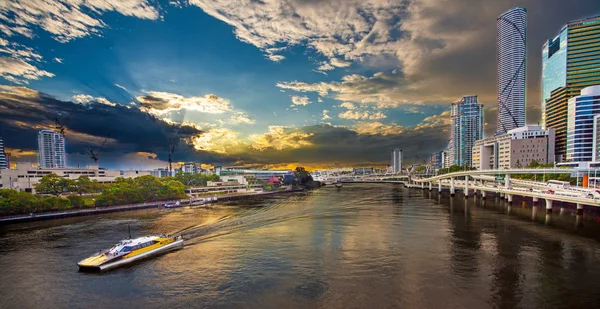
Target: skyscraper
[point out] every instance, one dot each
(396, 161)
(580, 124)
(467, 127)
(512, 46)
(51, 149)
(570, 62)
(3, 158)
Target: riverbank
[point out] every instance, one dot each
(111, 209)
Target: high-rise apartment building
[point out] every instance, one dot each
(580, 124)
(570, 62)
(3, 158)
(512, 65)
(51, 149)
(467, 127)
(396, 161)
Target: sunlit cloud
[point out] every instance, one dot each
(159, 103)
(298, 100)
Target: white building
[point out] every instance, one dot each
(3, 158)
(515, 149)
(190, 168)
(51, 149)
(25, 175)
(580, 124)
(396, 161)
(511, 58)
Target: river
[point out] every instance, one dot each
(360, 246)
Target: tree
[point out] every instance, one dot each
(83, 184)
(302, 176)
(54, 184)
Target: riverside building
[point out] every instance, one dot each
(570, 62)
(515, 149)
(396, 161)
(467, 127)
(511, 61)
(582, 110)
(51, 149)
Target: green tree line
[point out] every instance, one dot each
(122, 191)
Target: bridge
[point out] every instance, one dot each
(485, 181)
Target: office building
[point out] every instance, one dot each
(580, 124)
(511, 70)
(467, 127)
(570, 62)
(396, 161)
(51, 149)
(3, 158)
(436, 160)
(190, 168)
(515, 149)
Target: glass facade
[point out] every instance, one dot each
(580, 126)
(467, 127)
(511, 69)
(554, 67)
(571, 62)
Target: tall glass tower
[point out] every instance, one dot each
(570, 62)
(51, 149)
(467, 127)
(511, 58)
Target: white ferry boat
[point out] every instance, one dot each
(130, 250)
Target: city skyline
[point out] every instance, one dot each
(252, 93)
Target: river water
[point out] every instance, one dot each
(361, 246)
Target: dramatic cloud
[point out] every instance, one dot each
(66, 19)
(160, 103)
(24, 111)
(347, 29)
(19, 71)
(325, 115)
(279, 138)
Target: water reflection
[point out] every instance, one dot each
(364, 246)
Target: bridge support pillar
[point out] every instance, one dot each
(501, 195)
(548, 206)
(509, 197)
(466, 186)
(439, 186)
(422, 185)
(507, 181)
(536, 200)
(452, 192)
(483, 194)
(430, 186)
(580, 209)
(562, 211)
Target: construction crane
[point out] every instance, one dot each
(59, 127)
(171, 150)
(94, 155)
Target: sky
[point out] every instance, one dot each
(264, 83)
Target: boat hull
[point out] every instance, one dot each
(175, 245)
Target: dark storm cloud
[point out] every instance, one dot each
(344, 145)
(23, 112)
